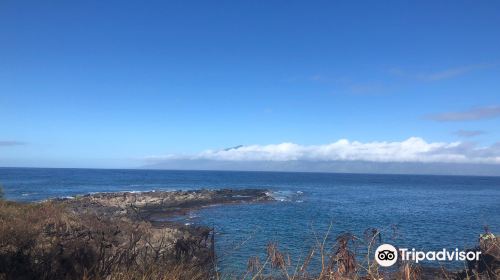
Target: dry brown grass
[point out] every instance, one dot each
(45, 241)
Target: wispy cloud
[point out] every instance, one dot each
(451, 72)
(413, 149)
(468, 133)
(441, 74)
(473, 114)
(11, 143)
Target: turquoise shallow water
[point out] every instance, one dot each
(429, 212)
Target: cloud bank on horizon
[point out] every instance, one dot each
(413, 149)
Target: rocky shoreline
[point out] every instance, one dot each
(151, 205)
(193, 244)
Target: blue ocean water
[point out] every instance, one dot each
(428, 212)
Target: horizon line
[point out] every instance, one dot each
(249, 171)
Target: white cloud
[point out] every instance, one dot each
(413, 149)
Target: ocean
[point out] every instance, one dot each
(413, 211)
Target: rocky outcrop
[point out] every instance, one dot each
(152, 210)
(148, 205)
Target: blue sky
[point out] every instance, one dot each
(110, 83)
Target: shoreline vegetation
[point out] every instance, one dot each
(133, 236)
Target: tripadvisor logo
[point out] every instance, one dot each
(387, 255)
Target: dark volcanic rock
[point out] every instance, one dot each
(194, 244)
(146, 205)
